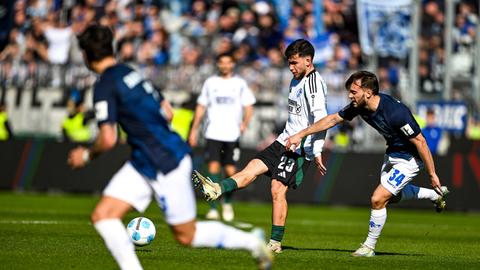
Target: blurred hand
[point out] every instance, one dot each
(321, 168)
(435, 182)
(243, 127)
(76, 157)
(292, 142)
(192, 139)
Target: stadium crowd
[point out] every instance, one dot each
(175, 43)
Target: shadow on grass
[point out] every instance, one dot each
(348, 251)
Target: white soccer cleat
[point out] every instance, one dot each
(262, 254)
(275, 246)
(210, 189)
(227, 212)
(440, 203)
(212, 214)
(363, 251)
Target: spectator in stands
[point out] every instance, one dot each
(5, 128)
(75, 126)
(432, 133)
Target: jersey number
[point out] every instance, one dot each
(397, 177)
(286, 164)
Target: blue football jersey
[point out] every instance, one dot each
(393, 120)
(122, 95)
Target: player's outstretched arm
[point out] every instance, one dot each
(425, 154)
(321, 125)
(106, 140)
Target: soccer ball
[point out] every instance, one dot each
(141, 230)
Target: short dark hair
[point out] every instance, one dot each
(367, 78)
(225, 54)
(301, 47)
(97, 42)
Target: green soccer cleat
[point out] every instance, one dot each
(364, 251)
(210, 189)
(440, 203)
(262, 254)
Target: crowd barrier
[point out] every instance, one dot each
(41, 165)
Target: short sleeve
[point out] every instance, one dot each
(105, 102)
(247, 97)
(315, 93)
(405, 124)
(348, 112)
(203, 97)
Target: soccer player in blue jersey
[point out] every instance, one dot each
(160, 165)
(407, 151)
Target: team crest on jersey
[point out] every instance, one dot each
(299, 92)
(294, 107)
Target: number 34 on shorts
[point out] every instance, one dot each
(396, 177)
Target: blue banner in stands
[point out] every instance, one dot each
(450, 116)
(385, 27)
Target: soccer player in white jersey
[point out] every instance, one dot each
(407, 151)
(306, 104)
(228, 103)
(160, 164)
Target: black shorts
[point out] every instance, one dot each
(227, 153)
(284, 166)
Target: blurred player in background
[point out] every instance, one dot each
(306, 104)
(5, 128)
(406, 154)
(160, 163)
(228, 103)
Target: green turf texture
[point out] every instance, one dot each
(53, 232)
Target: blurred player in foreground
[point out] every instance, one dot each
(406, 154)
(160, 164)
(306, 104)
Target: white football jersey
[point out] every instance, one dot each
(224, 100)
(307, 104)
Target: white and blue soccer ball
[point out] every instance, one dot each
(141, 230)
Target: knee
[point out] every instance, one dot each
(184, 240)
(278, 193)
(97, 215)
(377, 202)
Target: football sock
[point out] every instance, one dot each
(277, 233)
(228, 185)
(410, 192)
(215, 177)
(377, 220)
(218, 235)
(227, 197)
(118, 242)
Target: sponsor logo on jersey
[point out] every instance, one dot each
(282, 174)
(294, 107)
(407, 130)
(225, 100)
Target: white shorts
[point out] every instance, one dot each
(398, 172)
(173, 191)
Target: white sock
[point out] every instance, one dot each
(377, 220)
(118, 242)
(218, 235)
(410, 192)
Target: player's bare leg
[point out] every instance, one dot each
(213, 191)
(215, 234)
(279, 214)
(227, 207)
(378, 216)
(106, 219)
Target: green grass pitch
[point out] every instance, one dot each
(53, 232)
